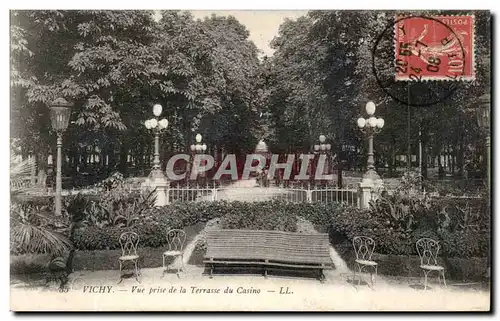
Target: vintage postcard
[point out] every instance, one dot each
(323, 160)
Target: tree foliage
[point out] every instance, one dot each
(116, 64)
(320, 78)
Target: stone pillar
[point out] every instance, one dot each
(161, 186)
(158, 181)
(309, 196)
(364, 193)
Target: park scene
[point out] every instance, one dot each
(154, 152)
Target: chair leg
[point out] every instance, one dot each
(373, 275)
(360, 267)
(163, 264)
(425, 279)
(444, 279)
(182, 262)
(121, 275)
(136, 271)
(354, 274)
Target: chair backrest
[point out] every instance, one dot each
(363, 247)
(176, 239)
(428, 250)
(129, 242)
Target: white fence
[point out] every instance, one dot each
(346, 196)
(233, 192)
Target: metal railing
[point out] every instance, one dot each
(308, 194)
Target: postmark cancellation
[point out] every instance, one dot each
(429, 48)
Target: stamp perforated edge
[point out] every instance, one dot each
(439, 78)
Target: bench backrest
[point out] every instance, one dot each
(268, 245)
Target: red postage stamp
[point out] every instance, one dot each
(434, 48)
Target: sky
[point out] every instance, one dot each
(263, 25)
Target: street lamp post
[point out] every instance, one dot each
(198, 148)
(322, 148)
(60, 112)
(370, 127)
(156, 126)
(158, 179)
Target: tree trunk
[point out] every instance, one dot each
(123, 157)
(111, 158)
(69, 261)
(42, 168)
(425, 157)
(33, 171)
(460, 157)
(452, 155)
(140, 160)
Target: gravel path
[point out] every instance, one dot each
(305, 226)
(213, 224)
(250, 293)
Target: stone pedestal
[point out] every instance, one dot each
(371, 177)
(158, 181)
(365, 193)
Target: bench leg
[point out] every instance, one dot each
(265, 273)
(322, 277)
(211, 271)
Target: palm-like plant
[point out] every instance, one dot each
(20, 174)
(33, 228)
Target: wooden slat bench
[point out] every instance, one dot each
(268, 249)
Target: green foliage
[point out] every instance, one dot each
(259, 216)
(33, 229)
(320, 78)
(465, 243)
(153, 226)
(115, 64)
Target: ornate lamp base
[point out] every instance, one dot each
(157, 174)
(372, 177)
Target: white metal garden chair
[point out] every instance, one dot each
(428, 250)
(129, 242)
(175, 240)
(363, 248)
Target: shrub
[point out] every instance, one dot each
(154, 224)
(393, 238)
(259, 216)
(34, 229)
(465, 243)
(395, 225)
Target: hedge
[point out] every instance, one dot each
(341, 222)
(153, 226)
